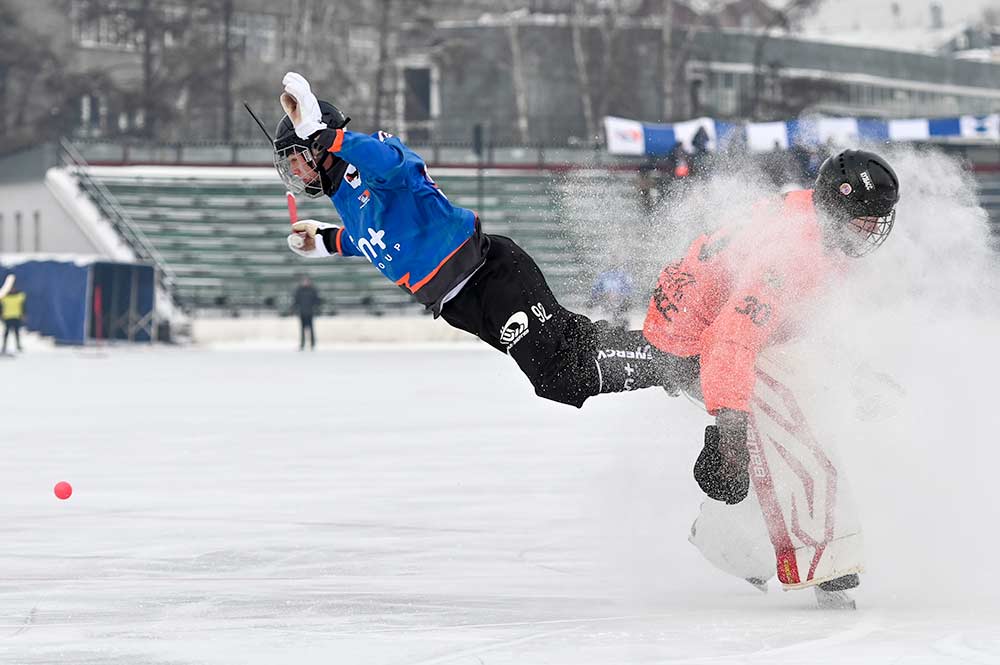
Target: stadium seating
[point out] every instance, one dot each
(989, 199)
(224, 238)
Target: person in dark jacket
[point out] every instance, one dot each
(305, 303)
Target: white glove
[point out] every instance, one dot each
(304, 241)
(301, 105)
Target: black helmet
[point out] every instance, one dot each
(856, 194)
(288, 144)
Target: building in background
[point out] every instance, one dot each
(548, 78)
(527, 72)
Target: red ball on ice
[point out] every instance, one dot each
(63, 490)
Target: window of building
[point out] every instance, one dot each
(730, 102)
(85, 110)
(417, 101)
(901, 100)
(97, 26)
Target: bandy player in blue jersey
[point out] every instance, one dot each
(396, 216)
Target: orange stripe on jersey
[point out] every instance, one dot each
(404, 281)
(338, 141)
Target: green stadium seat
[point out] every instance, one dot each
(225, 239)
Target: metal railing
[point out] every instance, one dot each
(259, 153)
(127, 229)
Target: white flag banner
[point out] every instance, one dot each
(631, 137)
(840, 131)
(914, 129)
(980, 126)
(624, 137)
(766, 136)
(685, 131)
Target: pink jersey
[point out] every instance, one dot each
(736, 290)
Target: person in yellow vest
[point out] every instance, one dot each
(12, 305)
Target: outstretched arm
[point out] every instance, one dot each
(314, 239)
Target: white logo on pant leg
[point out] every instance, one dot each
(539, 311)
(515, 329)
(641, 353)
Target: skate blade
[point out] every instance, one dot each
(759, 584)
(834, 600)
(854, 570)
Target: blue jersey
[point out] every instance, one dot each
(396, 216)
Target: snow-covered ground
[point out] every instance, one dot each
(400, 505)
(415, 505)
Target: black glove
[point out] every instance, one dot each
(722, 468)
(323, 140)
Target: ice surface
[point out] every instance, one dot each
(405, 506)
(414, 506)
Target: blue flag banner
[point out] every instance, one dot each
(631, 137)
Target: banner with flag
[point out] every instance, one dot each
(631, 137)
(625, 137)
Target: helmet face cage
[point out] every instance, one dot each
(292, 175)
(295, 162)
(863, 235)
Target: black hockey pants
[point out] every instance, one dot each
(566, 356)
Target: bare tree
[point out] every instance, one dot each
(667, 50)
(227, 70)
(791, 96)
(173, 42)
(580, 58)
(385, 34)
(28, 65)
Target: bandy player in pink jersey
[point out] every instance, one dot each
(738, 291)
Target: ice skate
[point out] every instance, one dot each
(832, 595)
(758, 583)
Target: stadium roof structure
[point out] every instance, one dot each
(907, 39)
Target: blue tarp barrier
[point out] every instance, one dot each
(61, 299)
(55, 297)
